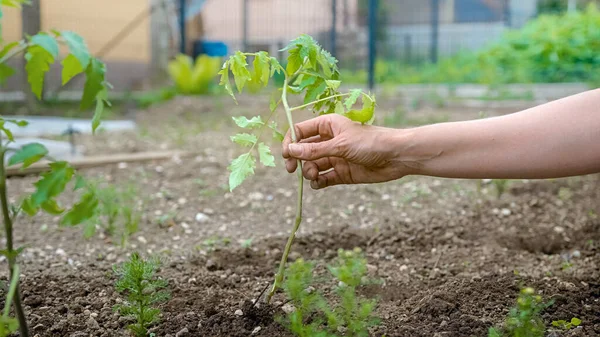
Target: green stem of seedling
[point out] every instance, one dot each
(288, 245)
(318, 101)
(8, 228)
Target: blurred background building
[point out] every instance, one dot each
(136, 38)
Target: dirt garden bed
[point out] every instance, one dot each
(450, 261)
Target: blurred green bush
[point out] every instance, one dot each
(551, 48)
(194, 78)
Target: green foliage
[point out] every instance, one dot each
(143, 290)
(150, 98)
(28, 154)
(561, 47)
(525, 319)
(500, 185)
(116, 213)
(309, 70)
(193, 77)
(241, 168)
(346, 315)
(8, 324)
(567, 325)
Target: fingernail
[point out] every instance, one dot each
(295, 150)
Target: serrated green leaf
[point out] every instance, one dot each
(275, 66)
(244, 139)
(8, 47)
(46, 42)
(351, 100)
(276, 133)
(71, 68)
(95, 76)
(366, 114)
(315, 90)
(38, 64)
(28, 154)
(28, 207)
(333, 85)
(80, 183)
(52, 183)
(20, 123)
(294, 62)
(306, 81)
(575, 321)
(224, 72)
(241, 168)
(264, 153)
(339, 108)
(101, 103)
(243, 122)
(52, 207)
(6, 131)
(5, 73)
(77, 47)
(239, 68)
(83, 210)
(261, 66)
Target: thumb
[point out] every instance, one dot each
(314, 151)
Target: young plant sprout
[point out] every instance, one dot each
(40, 51)
(310, 71)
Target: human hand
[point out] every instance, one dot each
(337, 151)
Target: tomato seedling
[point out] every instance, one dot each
(40, 52)
(310, 71)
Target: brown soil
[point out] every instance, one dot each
(450, 261)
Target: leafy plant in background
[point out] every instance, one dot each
(138, 281)
(551, 48)
(40, 51)
(117, 212)
(311, 71)
(193, 77)
(525, 319)
(351, 315)
(567, 325)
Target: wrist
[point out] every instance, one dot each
(409, 152)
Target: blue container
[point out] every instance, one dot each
(210, 48)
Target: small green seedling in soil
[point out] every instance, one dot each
(501, 185)
(143, 290)
(310, 71)
(39, 52)
(351, 315)
(525, 319)
(566, 325)
(117, 212)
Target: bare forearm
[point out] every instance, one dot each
(557, 139)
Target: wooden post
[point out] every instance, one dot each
(31, 19)
(160, 38)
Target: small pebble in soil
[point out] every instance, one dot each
(211, 265)
(142, 239)
(403, 267)
(288, 308)
(183, 332)
(256, 330)
(202, 218)
(239, 312)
